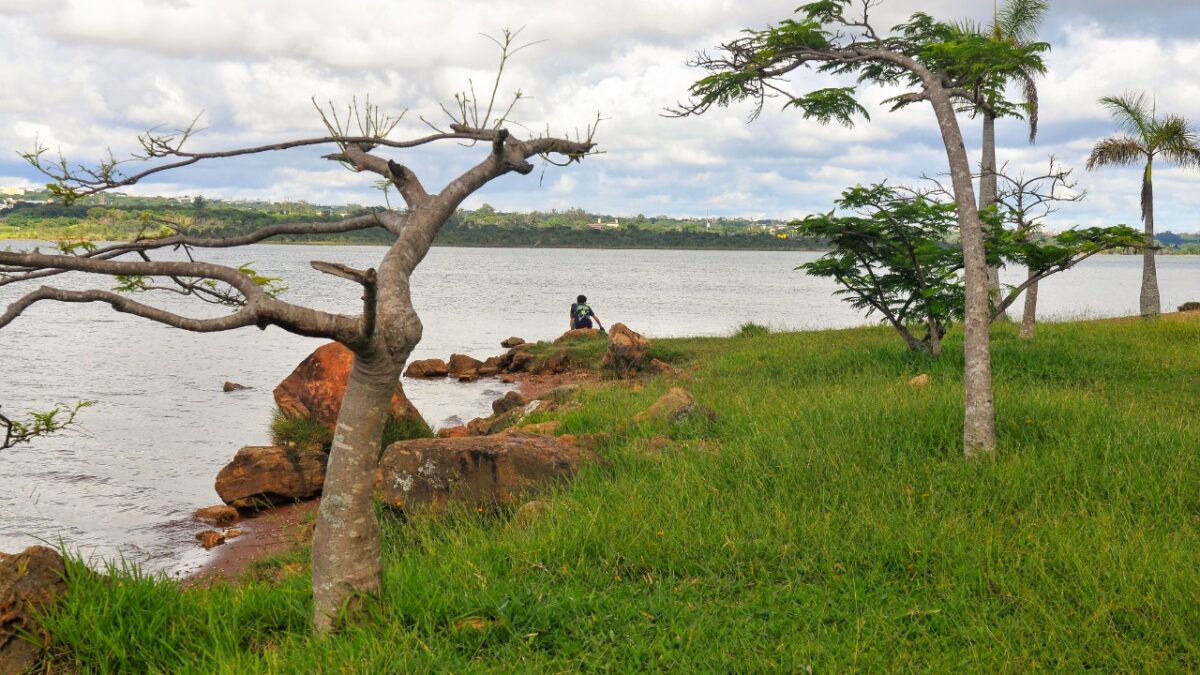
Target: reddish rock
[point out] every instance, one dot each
(507, 379)
(210, 539)
(461, 364)
(673, 406)
(578, 334)
(260, 476)
(221, 515)
(512, 342)
(662, 367)
(459, 431)
(232, 386)
(628, 352)
(485, 426)
(316, 387)
(427, 368)
(510, 400)
(29, 581)
(233, 534)
(487, 470)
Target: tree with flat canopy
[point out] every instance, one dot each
(944, 65)
(346, 566)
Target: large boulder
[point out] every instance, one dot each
(462, 365)
(29, 581)
(427, 368)
(260, 476)
(628, 352)
(479, 470)
(512, 342)
(315, 388)
(510, 400)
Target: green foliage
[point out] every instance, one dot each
(1189, 307)
(39, 423)
(404, 429)
(131, 283)
(824, 521)
(269, 284)
(751, 330)
(299, 432)
(893, 256)
(830, 105)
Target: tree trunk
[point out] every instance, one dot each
(346, 567)
(979, 419)
(1029, 318)
(987, 197)
(1150, 304)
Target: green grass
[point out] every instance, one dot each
(301, 432)
(825, 519)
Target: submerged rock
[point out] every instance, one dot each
(29, 581)
(513, 399)
(512, 342)
(210, 539)
(481, 470)
(261, 476)
(427, 368)
(461, 364)
(232, 386)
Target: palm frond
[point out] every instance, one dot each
(1133, 111)
(1030, 93)
(1116, 151)
(1176, 141)
(1020, 19)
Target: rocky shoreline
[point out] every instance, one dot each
(270, 493)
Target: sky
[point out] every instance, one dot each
(87, 76)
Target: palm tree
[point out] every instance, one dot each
(1016, 23)
(1146, 136)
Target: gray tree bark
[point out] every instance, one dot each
(987, 194)
(1150, 303)
(1029, 317)
(979, 419)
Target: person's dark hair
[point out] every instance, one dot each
(582, 298)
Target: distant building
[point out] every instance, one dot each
(600, 225)
(15, 191)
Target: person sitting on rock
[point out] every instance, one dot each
(582, 315)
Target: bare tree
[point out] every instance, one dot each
(1026, 202)
(346, 551)
(943, 65)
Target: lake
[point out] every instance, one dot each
(127, 484)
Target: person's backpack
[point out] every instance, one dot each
(582, 312)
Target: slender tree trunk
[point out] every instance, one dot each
(987, 197)
(1029, 318)
(979, 419)
(1151, 305)
(346, 563)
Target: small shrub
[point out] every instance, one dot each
(751, 329)
(299, 432)
(1189, 307)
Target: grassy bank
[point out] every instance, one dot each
(825, 518)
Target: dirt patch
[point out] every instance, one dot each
(269, 533)
(533, 385)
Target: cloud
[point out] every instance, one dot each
(91, 76)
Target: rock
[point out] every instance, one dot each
(427, 368)
(486, 426)
(233, 534)
(512, 342)
(507, 379)
(920, 381)
(487, 470)
(560, 394)
(662, 367)
(232, 386)
(488, 369)
(530, 512)
(454, 432)
(513, 399)
(578, 334)
(461, 364)
(261, 476)
(210, 539)
(468, 377)
(220, 515)
(673, 406)
(559, 362)
(628, 352)
(547, 428)
(592, 442)
(29, 581)
(315, 388)
(520, 361)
